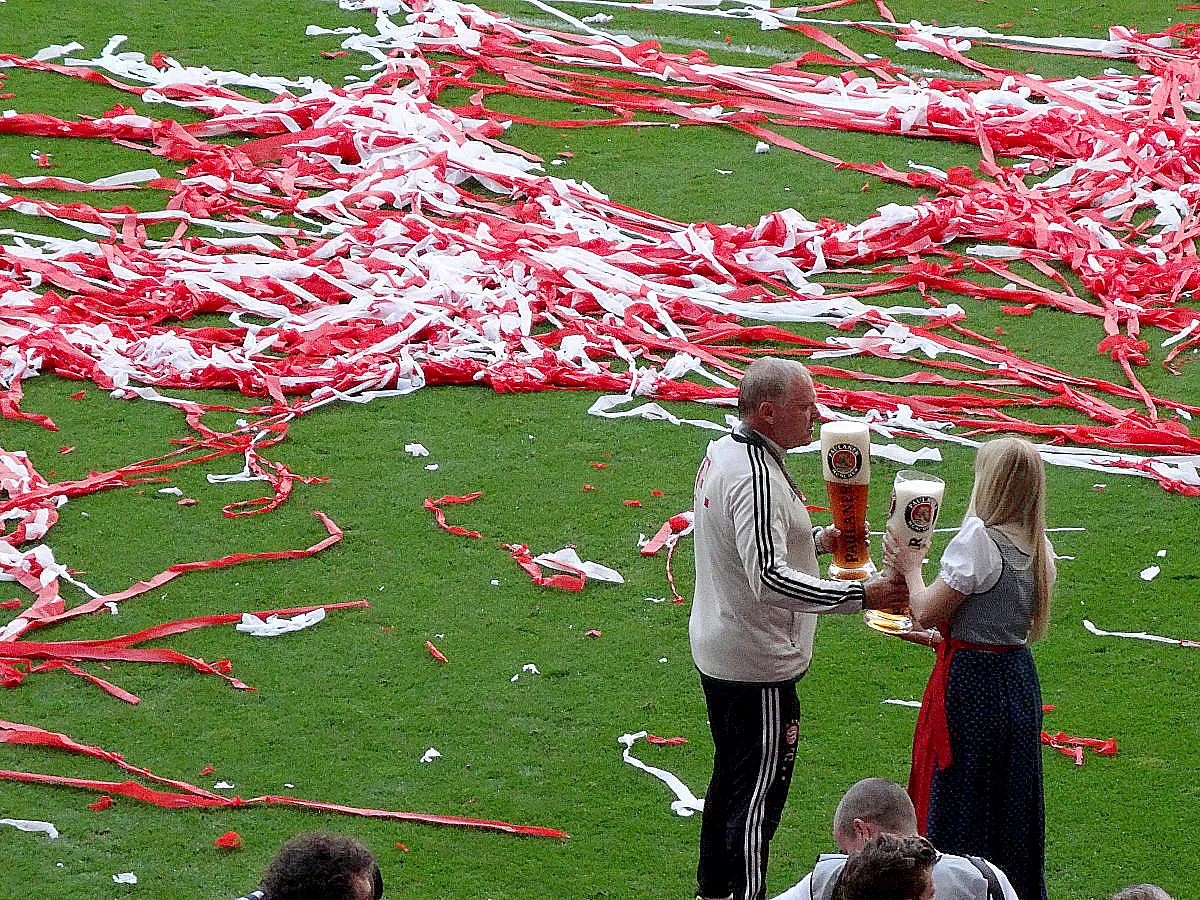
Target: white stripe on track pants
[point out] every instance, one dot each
(755, 728)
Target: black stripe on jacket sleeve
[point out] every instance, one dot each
(773, 573)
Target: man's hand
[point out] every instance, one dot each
(827, 537)
(887, 591)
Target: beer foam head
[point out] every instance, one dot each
(916, 500)
(846, 452)
(924, 487)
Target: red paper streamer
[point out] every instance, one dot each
(563, 581)
(1073, 747)
(665, 741)
(188, 796)
(230, 840)
(39, 620)
(435, 507)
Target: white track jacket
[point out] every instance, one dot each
(757, 583)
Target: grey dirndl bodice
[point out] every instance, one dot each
(1001, 615)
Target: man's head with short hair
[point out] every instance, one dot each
(777, 399)
(872, 807)
(888, 867)
(1142, 892)
(320, 866)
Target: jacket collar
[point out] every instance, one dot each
(744, 434)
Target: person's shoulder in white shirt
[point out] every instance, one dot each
(971, 563)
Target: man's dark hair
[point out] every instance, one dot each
(319, 866)
(887, 867)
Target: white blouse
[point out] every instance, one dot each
(972, 564)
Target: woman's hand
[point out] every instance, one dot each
(929, 637)
(901, 556)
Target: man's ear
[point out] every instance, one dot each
(863, 831)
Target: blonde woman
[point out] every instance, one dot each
(976, 778)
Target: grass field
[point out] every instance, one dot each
(345, 710)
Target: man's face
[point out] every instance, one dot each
(790, 419)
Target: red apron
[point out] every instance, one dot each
(931, 742)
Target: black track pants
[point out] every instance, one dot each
(755, 728)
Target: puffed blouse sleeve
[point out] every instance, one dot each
(1050, 556)
(971, 563)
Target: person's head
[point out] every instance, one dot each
(888, 867)
(1010, 484)
(777, 399)
(1010, 489)
(872, 807)
(1142, 892)
(320, 866)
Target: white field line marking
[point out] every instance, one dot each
(690, 43)
(746, 14)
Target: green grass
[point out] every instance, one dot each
(344, 711)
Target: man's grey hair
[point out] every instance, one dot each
(767, 379)
(880, 802)
(1142, 892)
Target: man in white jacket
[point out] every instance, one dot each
(877, 806)
(753, 618)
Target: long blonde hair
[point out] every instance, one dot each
(1010, 489)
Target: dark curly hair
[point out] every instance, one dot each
(320, 866)
(887, 867)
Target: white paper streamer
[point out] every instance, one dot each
(567, 560)
(274, 626)
(32, 825)
(686, 803)
(1138, 635)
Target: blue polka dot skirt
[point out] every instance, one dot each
(989, 802)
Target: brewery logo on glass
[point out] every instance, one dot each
(845, 460)
(920, 513)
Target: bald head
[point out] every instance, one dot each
(872, 806)
(1142, 892)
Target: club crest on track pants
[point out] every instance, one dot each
(755, 728)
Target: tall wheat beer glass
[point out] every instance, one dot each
(846, 461)
(912, 515)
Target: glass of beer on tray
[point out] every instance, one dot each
(912, 515)
(846, 461)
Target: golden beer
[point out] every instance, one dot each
(848, 503)
(846, 464)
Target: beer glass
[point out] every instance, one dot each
(846, 461)
(912, 514)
